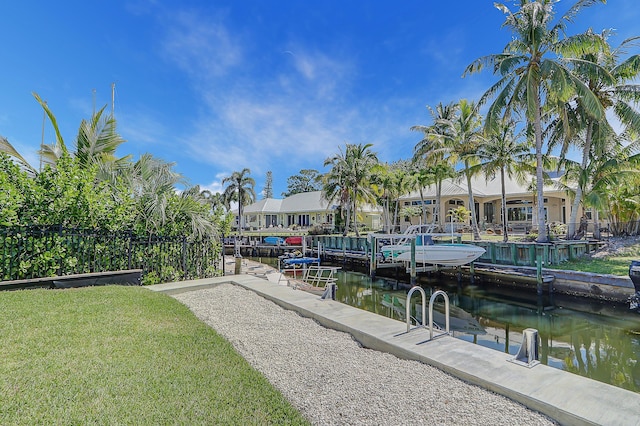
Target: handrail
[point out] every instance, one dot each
(446, 311)
(408, 306)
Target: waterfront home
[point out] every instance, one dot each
(302, 211)
(487, 193)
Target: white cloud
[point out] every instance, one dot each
(203, 48)
(216, 185)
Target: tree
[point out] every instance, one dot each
(307, 180)
(465, 137)
(267, 192)
(422, 178)
(95, 143)
(432, 149)
(535, 74)
(616, 93)
(349, 180)
(240, 189)
(502, 152)
(153, 183)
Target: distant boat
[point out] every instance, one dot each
(274, 241)
(450, 254)
(293, 241)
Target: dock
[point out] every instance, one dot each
(567, 398)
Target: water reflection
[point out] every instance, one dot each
(596, 340)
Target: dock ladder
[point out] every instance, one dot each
(424, 300)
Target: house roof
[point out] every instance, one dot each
(298, 203)
(304, 202)
(481, 186)
(266, 205)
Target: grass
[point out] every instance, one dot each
(123, 355)
(616, 264)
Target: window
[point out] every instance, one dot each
(519, 214)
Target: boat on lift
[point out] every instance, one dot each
(449, 254)
(427, 252)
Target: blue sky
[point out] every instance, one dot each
(280, 85)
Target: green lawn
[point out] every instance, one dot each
(123, 355)
(616, 265)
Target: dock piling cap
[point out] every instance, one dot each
(527, 355)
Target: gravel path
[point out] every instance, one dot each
(332, 380)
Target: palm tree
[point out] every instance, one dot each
(535, 73)
(433, 149)
(382, 181)
(422, 178)
(349, 180)
(616, 94)
(465, 138)
(504, 153)
(96, 143)
(153, 182)
(240, 188)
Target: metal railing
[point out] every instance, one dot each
(40, 251)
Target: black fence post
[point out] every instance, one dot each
(184, 256)
(130, 234)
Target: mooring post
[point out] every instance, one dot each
(413, 262)
(373, 262)
(539, 274)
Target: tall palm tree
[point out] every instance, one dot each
(503, 152)
(616, 93)
(422, 178)
(381, 180)
(349, 180)
(535, 73)
(432, 148)
(465, 138)
(241, 189)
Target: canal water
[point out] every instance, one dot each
(590, 338)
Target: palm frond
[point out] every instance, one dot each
(8, 149)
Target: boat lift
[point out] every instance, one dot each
(413, 269)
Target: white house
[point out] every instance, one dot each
(302, 210)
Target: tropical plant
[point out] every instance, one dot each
(240, 188)
(349, 180)
(536, 75)
(465, 138)
(616, 93)
(431, 151)
(503, 153)
(153, 183)
(422, 178)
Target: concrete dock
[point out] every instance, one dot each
(563, 396)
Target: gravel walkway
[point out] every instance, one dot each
(332, 380)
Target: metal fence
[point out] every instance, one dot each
(36, 251)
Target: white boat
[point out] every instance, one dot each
(450, 254)
(401, 243)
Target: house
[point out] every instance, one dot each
(487, 193)
(302, 210)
